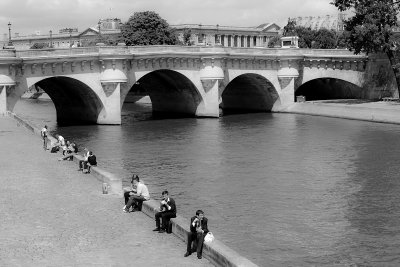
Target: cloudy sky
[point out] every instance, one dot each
(28, 16)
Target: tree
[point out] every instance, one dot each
(274, 41)
(324, 39)
(370, 29)
(39, 46)
(187, 35)
(306, 36)
(147, 28)
(290, 28)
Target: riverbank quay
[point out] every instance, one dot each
(381, 111)
(53, 215)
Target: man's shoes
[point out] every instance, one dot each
(199, 257)
(187, 254)
(161, 231)
(156, 230)
(126, 211)
(124, 207)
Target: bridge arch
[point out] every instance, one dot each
(248, 93)
(75, 102)
(326, 88)
(171, 93)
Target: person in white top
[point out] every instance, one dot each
(43, 133)
(136, 199)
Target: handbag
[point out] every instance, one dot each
(209, 238)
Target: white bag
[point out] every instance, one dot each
(209, 238)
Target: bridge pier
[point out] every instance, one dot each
(111, 80)
(211, 75)
(286, 77)
(5, 84)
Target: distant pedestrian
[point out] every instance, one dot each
(91, 161)
(167, 211)
(43, 133)
(198, 230)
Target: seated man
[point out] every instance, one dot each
(91, 161)
(198, 230)
(136, 199)
(85, 158)
(167, 211)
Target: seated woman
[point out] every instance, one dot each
(91, 161)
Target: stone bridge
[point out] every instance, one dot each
(89, 85)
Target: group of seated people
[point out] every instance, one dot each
(69, 149)
(138, 192)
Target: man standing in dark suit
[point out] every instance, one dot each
(198, 230)
(167, 211)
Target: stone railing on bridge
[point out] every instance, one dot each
(7, 53)
(192, 50)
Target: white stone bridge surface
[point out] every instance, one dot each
(89, 85)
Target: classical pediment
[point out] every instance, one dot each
(89, 32)
(269, 27)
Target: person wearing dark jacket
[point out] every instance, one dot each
(91, 161)
(167, 211)
(198, 230)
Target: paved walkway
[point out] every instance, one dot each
(53, 215)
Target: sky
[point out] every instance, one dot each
(29, 16)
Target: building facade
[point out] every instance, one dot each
(229, 36)
(69, 37)
(204, 35)
(330, 22)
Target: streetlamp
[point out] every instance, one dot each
(9, 34)
(51, 39)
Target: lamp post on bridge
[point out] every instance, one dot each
(51, 39)
(9, 34)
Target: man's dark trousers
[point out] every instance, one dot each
(198, 240)
(165, 216)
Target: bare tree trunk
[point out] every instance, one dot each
(395, 64)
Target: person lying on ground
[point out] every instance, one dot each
(136, 199)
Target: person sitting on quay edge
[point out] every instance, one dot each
(167, 211)
(43, 133)
(136, 198)
(72, 149)
(91, 161)
(198, 230)
(85, 158)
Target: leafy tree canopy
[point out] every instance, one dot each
(371, 26)
(147, 28)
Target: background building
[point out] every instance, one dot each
(230, 36)
(330, 22)
(69, 37)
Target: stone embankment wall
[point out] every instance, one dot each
(216, 252)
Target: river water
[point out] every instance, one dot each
(280, 189)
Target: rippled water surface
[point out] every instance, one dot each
(281, 189)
